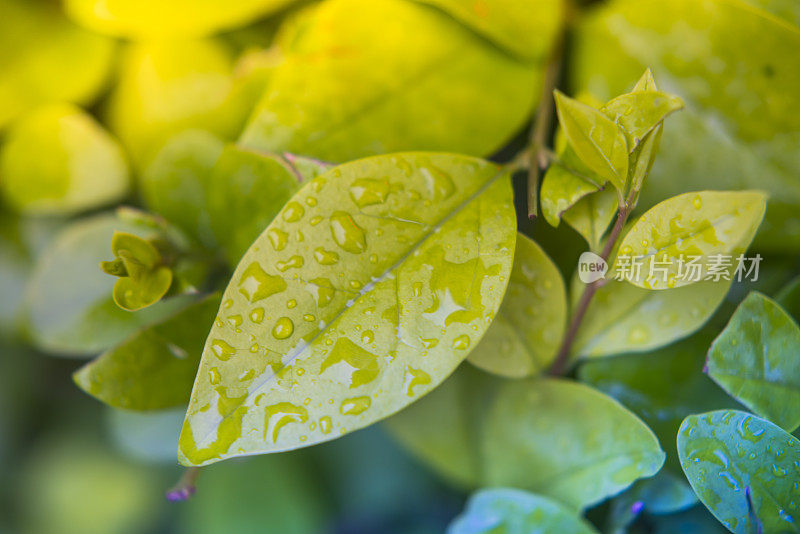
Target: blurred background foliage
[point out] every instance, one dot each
(106, 103)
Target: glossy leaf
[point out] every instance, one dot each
(370, 287)
(733, 66)
(166, 87)
(523, 27)
(153, 369)
(757, 360)
(592, 215)
(246, 189)
(565, 183)
(176, 183)
(625, 318)
(524, 337)
(429, 84)
(596, 139)
(151, 19)
(84, 166)
(728, 455)
(80, 317)
(511, 510)
(704, 224)
(640, 112)
(39, 45)
(567, 441)
(662, 387)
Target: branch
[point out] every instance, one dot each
(185, 487)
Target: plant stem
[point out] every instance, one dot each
(542, 123)
(561, 363)
(185, 487)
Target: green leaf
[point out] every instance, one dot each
(511, 510)
(370, 287)
(598, 141)
(525, 28)
(662, 387)
(80, 317)
(789, 298)
(153, 369)
(153, 20)
(345, 78)
(640, 112)
(733, 66)
(755, 359)
(524, 337)
(663, 493)
(564, 185)
(166, 87)
(84, 166)
(566, 441)
(247, 189)
(592, 214)
(131, 294)
(703, 223)
(625, 318)
(176, 182)
(729, 454)
(145, 436)
(38, 51)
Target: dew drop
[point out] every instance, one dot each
(277, 238)
(325, 425)
(283, 328)
(325, 257)
(293, 212)
(354, 406)
(461, 342)
(347, 233)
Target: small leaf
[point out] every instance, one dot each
(642, 160)
(563, 186)
(639, 113)
(592, 214)
(511, 510)
(729, 454)
(429, 84)
(83, 168)
(153, 20)
(80, 317)
(524, 337)
(756, 359)
(700, 224)
(370, 287)
(645, 83)
(136, 250)
(625, 318)
(566, 441)
(131, 294)
(153, 369)
(597, 140)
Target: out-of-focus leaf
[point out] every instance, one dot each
(346, 78)
(176, 183)
(511, 510)
(733, 65)
(663, 493)
(370, 287)
(567, 441)
(275, 493)
(145, 436)
(68, 305)
(596, 139)
(592, 214)
(696, 520)
(521, 26)
(703, 224)
(625, 318)
(788, 10)
(733, 459)
(789, 298)
(155, 368)
(166, 87)
(756, 359)
(247, 189)
(58, 160)
(152, 19)
(47, 59)
(443, 429)
(71, 486)
(524, 337)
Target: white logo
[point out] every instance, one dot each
(591, 267)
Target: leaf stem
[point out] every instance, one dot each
(543, 122)
(561, 362)
(185, 487)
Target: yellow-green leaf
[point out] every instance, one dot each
(346, 78)
(45, 59)
(59, 160)
(640, 112)
(369, 288)
(596, 139)
(707, 225)
(524, 337)
(592, 214)
(153, 19)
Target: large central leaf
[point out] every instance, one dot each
(366, 291)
